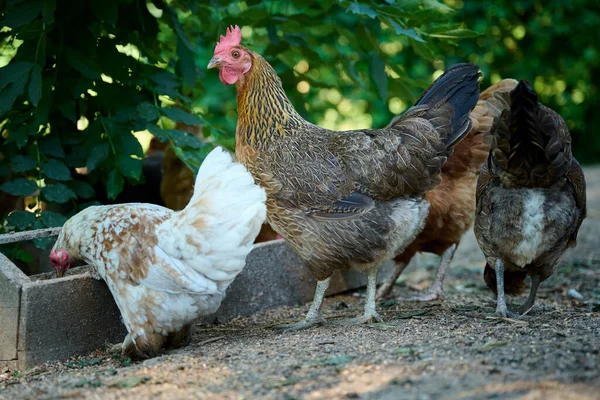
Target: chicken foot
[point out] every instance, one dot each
(535, 284)
(436, 291)
(313, 317)
(501, 308)
(370, 313)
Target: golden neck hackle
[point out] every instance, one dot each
(264, 111)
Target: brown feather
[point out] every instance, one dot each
(312, 175)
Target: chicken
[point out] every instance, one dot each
(165, 268)
(530, 197)
(452, 203)
(343, 199)
(177, 182)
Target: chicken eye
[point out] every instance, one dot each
(235, 54)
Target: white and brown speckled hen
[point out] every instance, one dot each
(165, 268)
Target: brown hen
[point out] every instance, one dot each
(343, 199)
(452, 203)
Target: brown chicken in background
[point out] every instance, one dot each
(452, 203)
(348, 199)
(531, 197)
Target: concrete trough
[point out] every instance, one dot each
(45, 319)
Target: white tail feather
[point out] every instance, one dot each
(227, 206)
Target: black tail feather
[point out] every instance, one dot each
(531, 143)
(458, 86)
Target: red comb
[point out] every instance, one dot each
(233, 37)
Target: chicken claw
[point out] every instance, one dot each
(313, 317)
(370, 313)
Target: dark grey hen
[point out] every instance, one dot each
(530, 197)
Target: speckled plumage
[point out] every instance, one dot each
(530, 196)
(348, 199)
(452, 203)
(167, 268)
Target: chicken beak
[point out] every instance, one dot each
(60, 273)
(214, 62)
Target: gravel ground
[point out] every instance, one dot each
(450, 349)
(454, 348)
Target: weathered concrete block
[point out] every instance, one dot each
(11, 282)
(54, 319)
(63, 317)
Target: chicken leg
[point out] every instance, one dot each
(386, 286)
(370, 313)
(313, 317)
(436, 291)
(535, 283)
(501, 308)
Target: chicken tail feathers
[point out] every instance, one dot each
(226, 205)
(531, 144)
(458, 86)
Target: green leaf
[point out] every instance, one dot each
(455, 34)
(22, 14)
(147, 111)
(82, 63)
(186, 65)
(179, 115)
(52, 219)
(161, 134)
(9, 95)
(362, 9)
(130, 167)
(48, 11)
(19, 187)
(114, 185)
(20, 219)
(50, 145)
(18, 136)
(21, 163)
(378, 75)
(82, 189)
(58, 193)
(13, 72)
(97, 156)
(55, 169)
(68, 109)
(165, 78)
(184, 139)
(422, 49)
(128, 144)
(35, 85)
(411, 33)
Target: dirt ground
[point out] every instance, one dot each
(450, 349)
(454, 348)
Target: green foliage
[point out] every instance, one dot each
(554, 45)
(82, 77)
